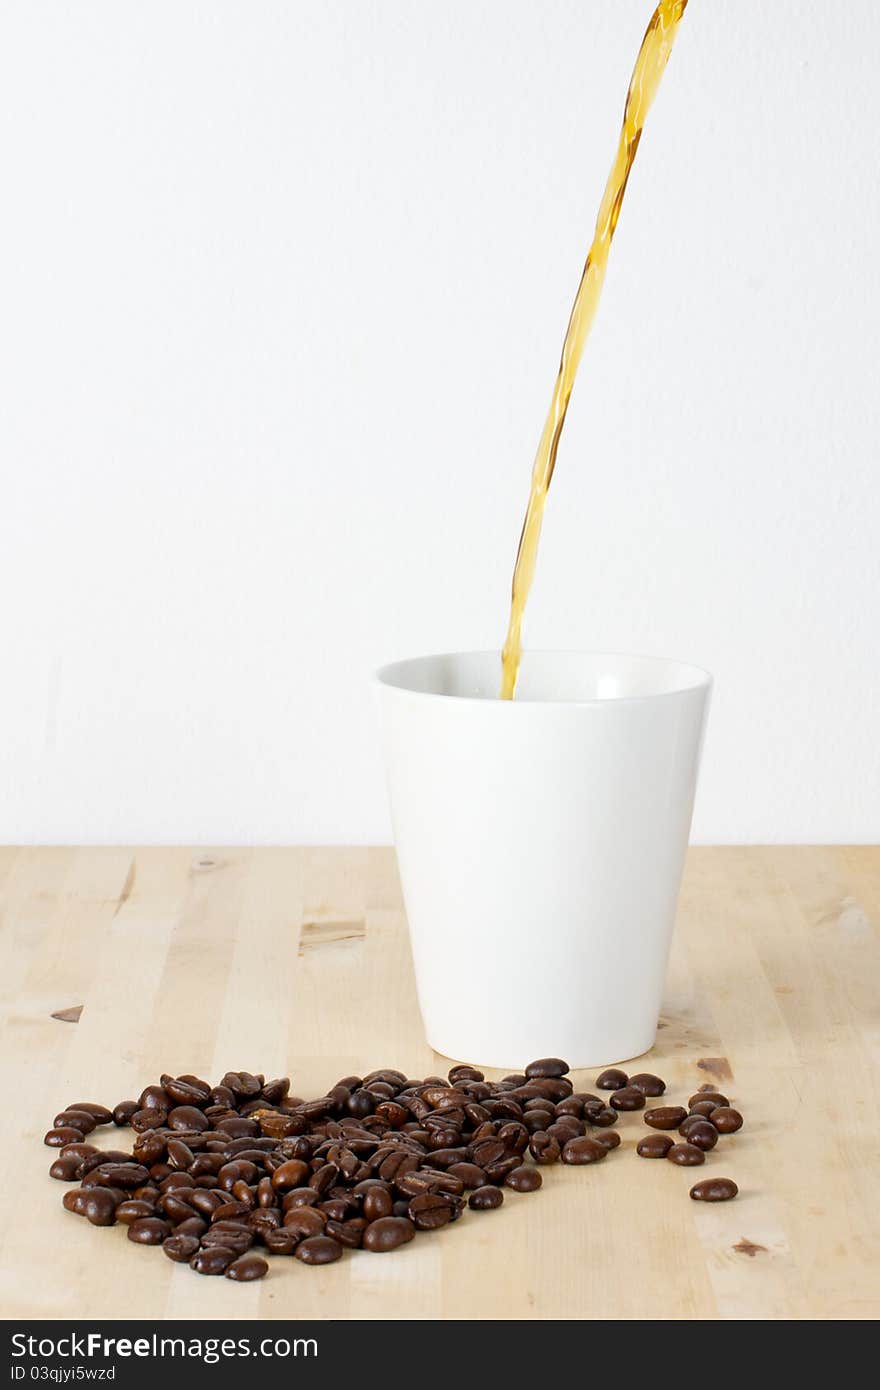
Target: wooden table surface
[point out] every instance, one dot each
(296, 961)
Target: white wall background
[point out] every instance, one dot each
(283, 290)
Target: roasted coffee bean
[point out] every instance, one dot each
(121, 1174)
(584, 1150)
(525, 1178)
(686, 1155)
(377, 1202)
(654, 1146)
(193, 1226)
(188, 1117)
(726, 1120)
(714, 1190)
(665, 1117)
(319, 1250)
(300, 1197)
(387, 1234)
(709, 1094)
(180, 1155)
(80, 1151)
(65, 1167)
(281, 1241)
(486, 1198)
(293, 1173)
(99, 1113)
(215, 1260)
(468, 1174)
(608, 1138)
(349, 1233)
(545, 1067)
(401, 1208)
(175, 1208)
(100, 1207)
(63, 1134)
(648, 1084)
(147, 1118)
(180, 1248)
(149, 1230)
(247, 1268)
(134, 1209)
(185, 1090)
(75, 1199)
(235, 1238)
(627, 1098)
(601, 1116)
(688, 1122)
(703, 1108)
(612, 1079)
(702, 1133)
(75, 1119)
(154, 1098)
(306, 1221)
(463, 1072)
(431, 1210)
(544, 1148)
(123, 1112)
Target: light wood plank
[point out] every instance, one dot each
(296, 961)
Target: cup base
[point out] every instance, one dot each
(587, 1060)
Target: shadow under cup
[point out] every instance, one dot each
(540, 844)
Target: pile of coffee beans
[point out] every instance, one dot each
(217, 1172)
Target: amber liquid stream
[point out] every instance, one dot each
(653, 55)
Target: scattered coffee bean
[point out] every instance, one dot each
(214, 1260)
(612, 1079)
(726, 1120)
(701, 1096)
(686, 1155)
(714, 1190)
(608, 1138)
(648, 1084)
(65, 1167)
(123, 1112)
(323, 1250)
(579, 1151)
(76, 1119)
(100, 1206)
(247, 1268)
(180, 1248)
(387, 1234)
(431, 1210)
(627, 1098)
(600, 1115)
(486, 1198)
(665, 1117)
(546, 1067)
(654, 1146)
(704, 1134)
(703, 1108)
(523, 1179)
(99, 1113)
(57, 1137)
(149, 1230)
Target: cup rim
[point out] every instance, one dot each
(702, 679)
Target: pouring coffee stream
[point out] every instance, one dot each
(650, 64)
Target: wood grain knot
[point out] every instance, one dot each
(719, 1067)
(748, 1247)
(314, 935)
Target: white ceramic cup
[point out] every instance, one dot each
(540, 844)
